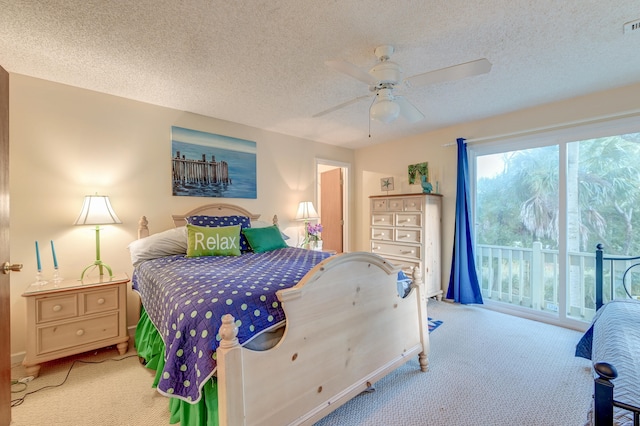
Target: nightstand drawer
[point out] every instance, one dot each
(100, 301)
(76, 333)
(382, 248)
(56, 308)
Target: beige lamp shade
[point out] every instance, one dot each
(306, 211)
(97, 210)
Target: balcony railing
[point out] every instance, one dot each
(529, 277)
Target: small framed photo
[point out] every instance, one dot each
(386, 184)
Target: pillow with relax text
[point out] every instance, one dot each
(264, 239)
(217, 241)
(215, 221)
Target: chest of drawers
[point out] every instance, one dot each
(75, 316)
(406, 230)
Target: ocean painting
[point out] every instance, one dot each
(210, 165)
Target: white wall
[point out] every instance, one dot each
(67, 142)
(392, 159)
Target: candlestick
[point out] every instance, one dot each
(53, 252)
(38, 258)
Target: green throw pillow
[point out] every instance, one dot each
(264, 239)
(219, 241)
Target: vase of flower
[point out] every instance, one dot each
(312, 239)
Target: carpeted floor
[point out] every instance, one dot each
(486, 368)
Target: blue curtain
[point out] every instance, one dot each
(463, 283)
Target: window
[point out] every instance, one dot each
(541, 206)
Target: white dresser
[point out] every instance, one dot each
(406, 230)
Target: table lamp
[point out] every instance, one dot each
(97, 210)
(306, 211)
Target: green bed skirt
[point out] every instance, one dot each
(150, 347)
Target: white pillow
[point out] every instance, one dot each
(166, 243)
(263, 224)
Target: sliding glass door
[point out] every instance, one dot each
(541, 206)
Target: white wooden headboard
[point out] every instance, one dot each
(215, 209)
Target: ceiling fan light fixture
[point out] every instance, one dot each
(384, 108)
(385, 111)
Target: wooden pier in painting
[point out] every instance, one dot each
(199, 172)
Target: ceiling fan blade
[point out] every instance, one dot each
(342, 105)
(456, 72)
(408, 111)
(351, 70)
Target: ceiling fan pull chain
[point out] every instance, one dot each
(369, 120)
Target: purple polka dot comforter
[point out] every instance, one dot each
(186, 298)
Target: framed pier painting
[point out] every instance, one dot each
(210, 165)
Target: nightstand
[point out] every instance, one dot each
(73, 316)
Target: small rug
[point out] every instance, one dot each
(433, 324)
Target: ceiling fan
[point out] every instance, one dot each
(385, 76)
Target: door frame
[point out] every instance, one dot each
(322, 165)
(5, 300)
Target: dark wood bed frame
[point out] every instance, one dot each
(603, 387)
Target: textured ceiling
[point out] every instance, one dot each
(261, 63)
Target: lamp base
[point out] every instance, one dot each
(100, 264)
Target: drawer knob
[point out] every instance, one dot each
(407, 236)
(408, 252)
(57, 308)
(80, 332)
(101, 301)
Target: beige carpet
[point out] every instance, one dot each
(486, 368)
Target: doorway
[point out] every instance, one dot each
(333, 206)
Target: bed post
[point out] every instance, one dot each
(143, 228)
(418, 284)
(230, 375)
(599, 273)
(603, 393)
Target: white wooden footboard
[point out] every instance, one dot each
(347, 327)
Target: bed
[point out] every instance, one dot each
(612, 342)
(288, 350)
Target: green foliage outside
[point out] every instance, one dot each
(520, 205)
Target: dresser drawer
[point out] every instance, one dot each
(396, 204)
(385, 234)
(412, 204)
(379, 205)
(382, 219)
(407, 235)
(408, 219)
(56, 308)
(383, 248)
(100, 300)
(407, 266)
(66, 335)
